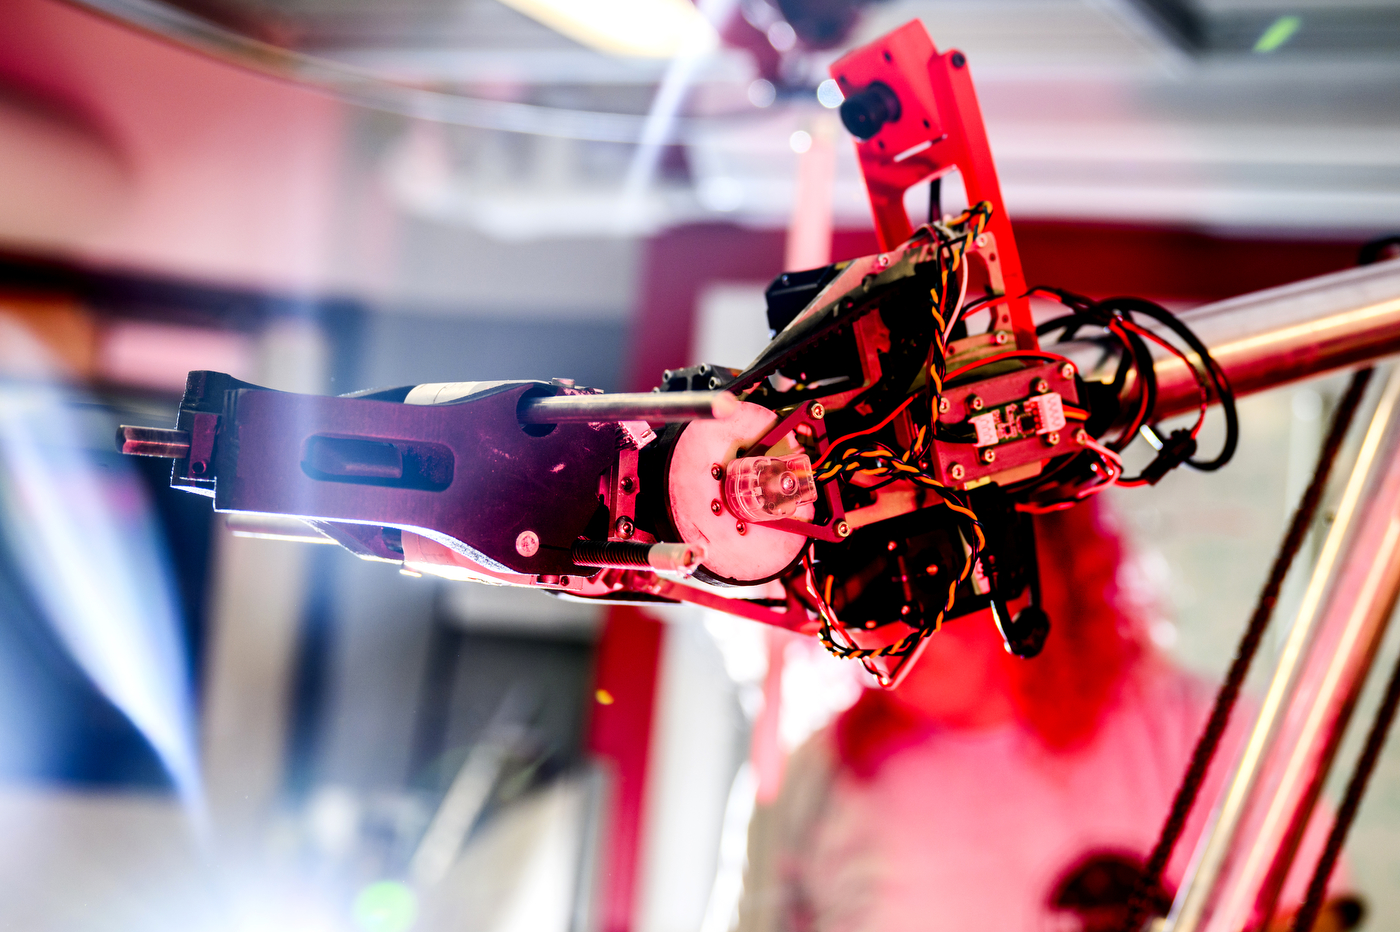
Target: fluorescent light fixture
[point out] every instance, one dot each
(633, 28)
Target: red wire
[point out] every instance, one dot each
(1012, 354)
(1200, 382)
(860, 433)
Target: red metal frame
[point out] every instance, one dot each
(939, 129)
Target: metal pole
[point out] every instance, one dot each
(1281, 335)
(1244, 858)
(656, 407)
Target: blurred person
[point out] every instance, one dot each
(989, 792)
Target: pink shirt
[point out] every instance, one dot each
(974, 830)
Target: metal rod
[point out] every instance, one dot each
(153, 441)
(1281, 335)
(1242, 861)
(656, 407)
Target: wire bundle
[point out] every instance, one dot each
(873, 459)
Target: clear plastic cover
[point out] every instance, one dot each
(769, 488)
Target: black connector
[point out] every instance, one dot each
(1178, 447)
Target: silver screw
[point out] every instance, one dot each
(624, 527)
(817, 410)
(957, 471)
(1067, 370)
(717, 471)
(527, 543)
(716, 507)
(1052, 439)
(974, 402)
(1000, 338)
(1040, 386)
(988, 455)
(882, 262)
(1081, 437)
(741, 527)
(944, 405)
(843, 529)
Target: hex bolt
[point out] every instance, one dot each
(1040, 386)
(817, 410)
(716, 472)
(741, 527)
(957, 471)
(1081, 437)
(1067, 370)
(1052, 439)
(988, 455)
(974, 402)
(624, 527)
(716, 507)
(843, 529)
(527, 543)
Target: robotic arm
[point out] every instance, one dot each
(870, 476)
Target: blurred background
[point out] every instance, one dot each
(206, 731)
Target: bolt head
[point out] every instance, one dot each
(627, 484)
(717, 471)
(975, 403)
(1001, 337)
(1067, 370)
(817, 410)
(988, 455)
(1081, 436)
(957, 471)
(944, 405)
(527, 543)
(716, 507)
(1040, 386)
(741, 527)
(843, 529)
(882, 262)
(981, 240)
(1052, 438)
(624, 527)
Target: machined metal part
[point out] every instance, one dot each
(656, 407)
(1244, 858)
(673, 558)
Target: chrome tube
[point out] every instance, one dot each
(1281, 335)
(1245, 855)
(656, 407)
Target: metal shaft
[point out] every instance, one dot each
(1244, 859)
(656, 407)
(1281, 335)
(153, 441)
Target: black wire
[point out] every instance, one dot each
(1351, 802)
(1209, 741)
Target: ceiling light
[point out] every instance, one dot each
(633, 28)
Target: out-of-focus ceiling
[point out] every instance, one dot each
(1225, 113)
